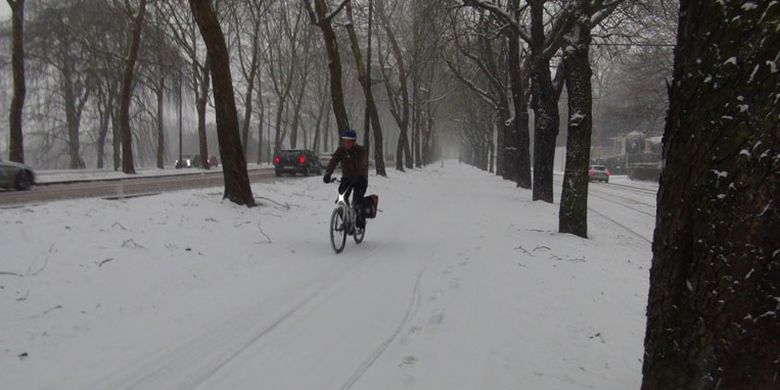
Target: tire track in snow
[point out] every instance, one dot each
(414, 304)
(607, 198)
(591, 209)
(188, 365)
(621, 225)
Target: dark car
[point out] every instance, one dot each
(15, 175)
(302, 161)
(598, 173)
(213, 162)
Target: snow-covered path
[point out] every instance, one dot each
(462, 283)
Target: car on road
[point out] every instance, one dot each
(16, 175)
(598, 173)
(294, 161)
(186, 162)
(213, 162)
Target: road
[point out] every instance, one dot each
(126, 187)
(462, 283)
(628, 205)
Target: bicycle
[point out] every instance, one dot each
(343, 222)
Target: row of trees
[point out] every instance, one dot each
(76, 51)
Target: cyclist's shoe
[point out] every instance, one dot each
(361, 221)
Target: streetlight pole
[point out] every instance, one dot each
(368, 79)
(179, 162)
(269, 131)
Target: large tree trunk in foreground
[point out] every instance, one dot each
(237, 188)
(573, 215)
(713, 318)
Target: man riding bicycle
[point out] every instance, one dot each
(354, 171)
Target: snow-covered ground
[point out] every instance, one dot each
(68, 175)
(462, 283)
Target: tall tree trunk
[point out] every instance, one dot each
(160, 91)
(200, 106)
(100, 146)
(326, 134)
(318, 132)
(374, 124)
(261, 122)
(322, 17)
(297, 104)
(278, 136)
(417, 128)
(712, 315)
(237, 188)
(517, 160)
(116, 139)
(128, 166)
(105, 109)
(73, 107)
(545, 106)
(519, 140)
(248, 99)
(16, 142)
(573, 215)
(401, 114)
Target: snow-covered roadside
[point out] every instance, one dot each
(462, 283)
(66, 175)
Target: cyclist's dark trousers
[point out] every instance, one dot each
(359, 185)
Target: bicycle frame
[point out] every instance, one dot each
(347, 216)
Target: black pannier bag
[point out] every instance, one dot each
(371, 203)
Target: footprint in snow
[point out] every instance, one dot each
(437, 319)
(409, 360)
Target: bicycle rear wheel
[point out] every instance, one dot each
(338, 231)
(360, 233)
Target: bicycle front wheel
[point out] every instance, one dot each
(338, 230)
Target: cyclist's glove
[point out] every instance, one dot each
(326, 178)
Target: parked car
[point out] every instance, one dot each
(297, 161)
(186, 162)
(213, 162)
(15, 175)
(598, 173)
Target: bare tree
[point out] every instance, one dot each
(237, 188)
(184, 32)
(400, 101)
(322, 16)
(573, 215)
(128, 166)
(55, 47)
(284, 61)
(375, 125)
(249, 15)
(481, 67)
(515, 152)
(16, 143)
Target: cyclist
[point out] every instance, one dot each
(354, 171)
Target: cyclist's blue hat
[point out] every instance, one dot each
(349, 134)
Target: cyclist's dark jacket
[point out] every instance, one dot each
(354, 162)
